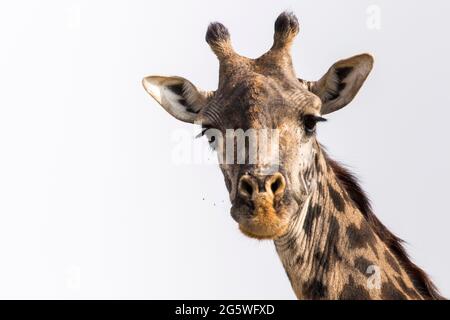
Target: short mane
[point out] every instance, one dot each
(350, 183)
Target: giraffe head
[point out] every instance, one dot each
(269, 176)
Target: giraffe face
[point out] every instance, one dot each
(261, 121)
(262, 127)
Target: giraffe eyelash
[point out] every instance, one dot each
(315, 118)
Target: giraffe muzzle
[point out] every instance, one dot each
(261, 218)
(256, 189)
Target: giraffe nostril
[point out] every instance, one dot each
(276, 183)
(247, 186)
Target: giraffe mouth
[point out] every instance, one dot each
(261, 219)
(266, 228)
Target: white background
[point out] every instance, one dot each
(91, 203)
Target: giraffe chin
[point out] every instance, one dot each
(264, 223)
(262, 232)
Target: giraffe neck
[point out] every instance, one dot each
(331, 252)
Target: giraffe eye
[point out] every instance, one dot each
(211, 138)
(310, 122)
(202, 132)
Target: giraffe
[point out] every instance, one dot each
(330, 243)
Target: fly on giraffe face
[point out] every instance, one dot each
(328, 239)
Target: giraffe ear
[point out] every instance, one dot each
(342, 82)
(177, 96)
